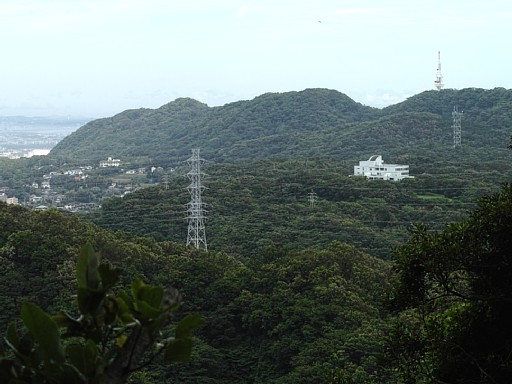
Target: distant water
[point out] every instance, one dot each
(22, 136)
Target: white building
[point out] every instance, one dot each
(375, 168)
(12, 200)
(110, 162)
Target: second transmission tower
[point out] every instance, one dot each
(457, 130)
(312, 197)
(196, 214)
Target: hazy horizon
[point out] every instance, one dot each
(100, 57)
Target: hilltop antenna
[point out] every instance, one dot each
(196, 214)
(457, 117)
(439, 77)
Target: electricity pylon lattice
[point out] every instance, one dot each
(196, 214)
(457, 130)
(312, 196)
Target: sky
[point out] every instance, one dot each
(96, 58)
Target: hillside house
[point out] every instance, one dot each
(8, 200)
(110, 162)
(12, 201)
(375, 169)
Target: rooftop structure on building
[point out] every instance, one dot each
(375, 169)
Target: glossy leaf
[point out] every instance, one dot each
(135, 287)
(111, 308)
(89, 301)
(179, 350)
(12, 335)
(109, 276)
(44, 330)
(188, 324)
(124, 313)
(87, 274)
(152, 295)
(83, 357)
(148, 311)
(64, 319)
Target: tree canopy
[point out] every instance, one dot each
(456, 284)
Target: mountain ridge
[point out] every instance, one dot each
(312, 122)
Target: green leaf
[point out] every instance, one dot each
(111, 309)
(145, 296)
(125, 313)
(126, 298)
(109, 276)
(12, 335)
(89, 301)
(148, 311)
(21, 346)
(26, 344)
(152, 295)
(188, 324)
(179, 350)
(87, 275)
(83, 357)
(64, 319)
(136, 286)
(44, 330)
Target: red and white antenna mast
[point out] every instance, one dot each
(439, 77)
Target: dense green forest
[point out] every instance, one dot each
(272, 319)
(253, 206)
(438, 312)
(372, 282)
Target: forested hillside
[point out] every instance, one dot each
(273, 319)
(264, 157)
(299, 125)
(311, 315)
(253, 206)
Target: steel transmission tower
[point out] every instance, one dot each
(312, 196)
(457, 117)
(196, 214)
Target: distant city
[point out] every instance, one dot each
(22, 136)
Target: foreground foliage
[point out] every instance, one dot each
(456, 294)
(285, 314)
(111, 337)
